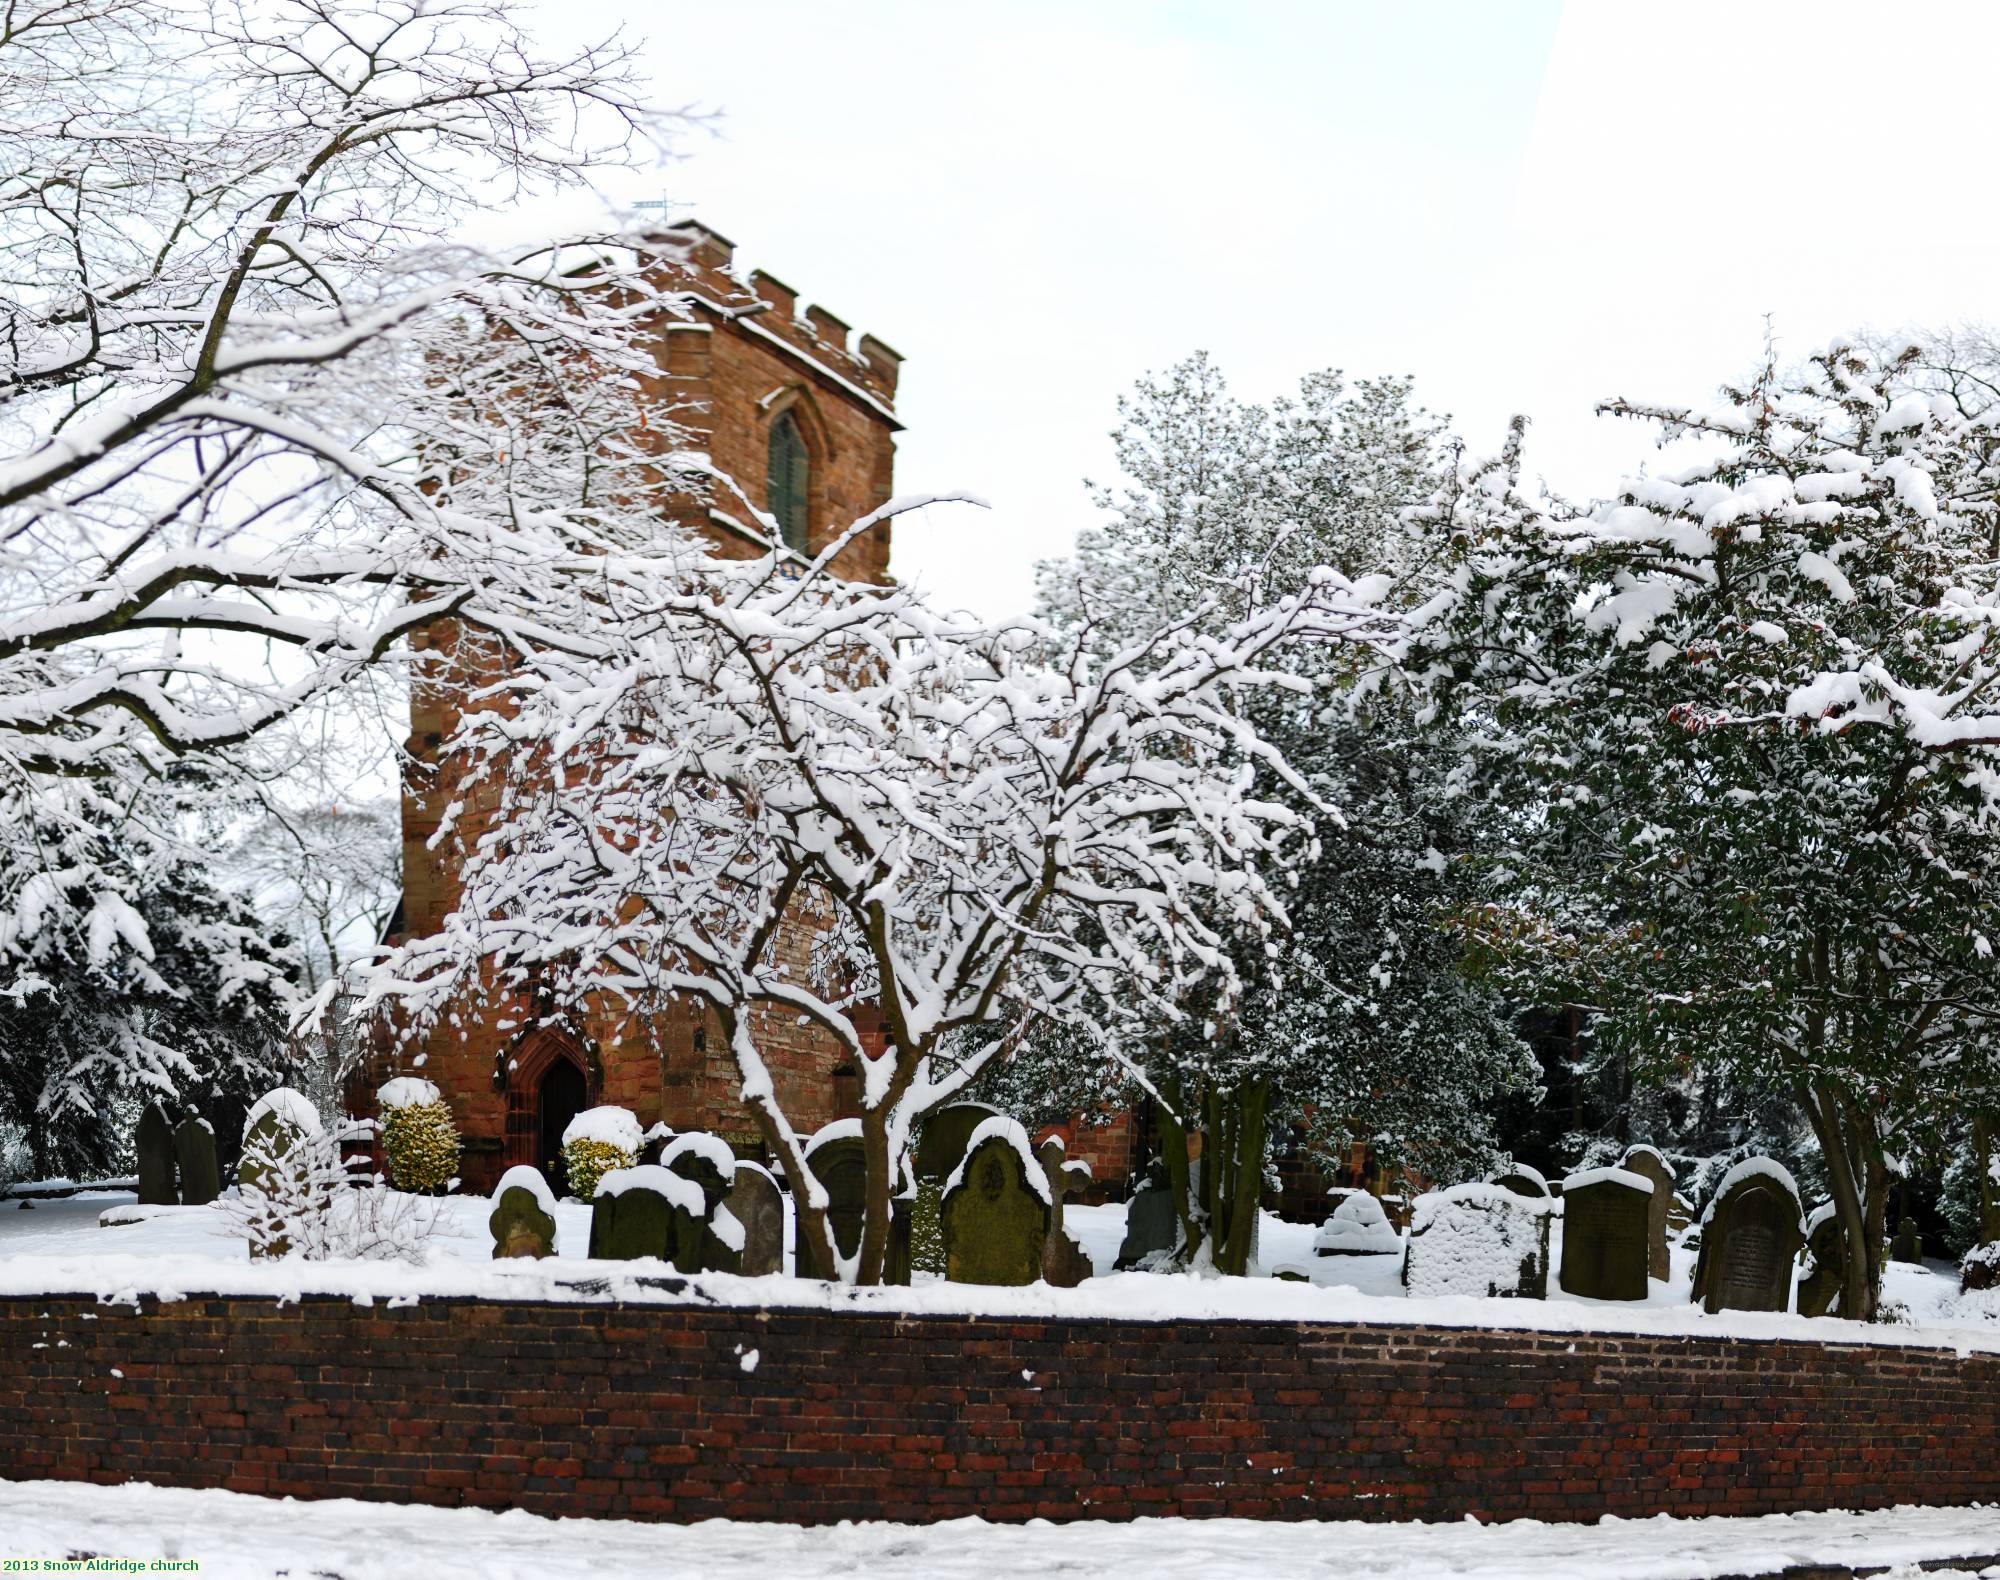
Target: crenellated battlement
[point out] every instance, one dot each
(768, 307)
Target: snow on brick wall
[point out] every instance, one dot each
(649, 1412)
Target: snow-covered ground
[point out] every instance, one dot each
(235, 1535)
(58, 1246)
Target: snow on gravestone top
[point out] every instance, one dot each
(1752, 1168)
(1583, 1179)
(1527, 1172)
(1476, 1193)
(710, 1149)
(1001, 1127)
(408, 1091)
(839, 1130)
(290, 1107)
(613, 1126)
(1642, 1150)
(1479, 1239)
(679, 1192)
(1357, 1227)
(525, 1176)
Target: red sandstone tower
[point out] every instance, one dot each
(800, 415)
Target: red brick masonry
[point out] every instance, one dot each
(648, 1411)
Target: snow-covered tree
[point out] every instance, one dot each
(1355, 1021)
(263, 411)
(960, 832)
(1743, 716)
(327, 874)
(130, 977)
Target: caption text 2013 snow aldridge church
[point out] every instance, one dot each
(800, 415)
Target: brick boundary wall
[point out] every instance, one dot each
(649, 1411)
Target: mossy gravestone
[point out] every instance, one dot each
(155, 1145)
(1750, 1238)
(1605, 1213)
(1826, 1254)
(755, 1202)
(996, 1223)
(279, 1124)
(194, 1155)
(523, 1220)
(841, 1165)
(646, 1211)
(1649, 1163)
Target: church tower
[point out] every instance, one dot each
(798, 414)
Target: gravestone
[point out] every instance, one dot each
(155, 1146)
(1357, 1227)
(709, 1164)
(1605, 1213)
(194, 1156)
(840, 1164)
(755, 1202)
(523, 1218)
(1649, 1163)
(1909, 1245)
(1750, 1237)
(1826, 1256)
(647, 1210)
(1478, 1239)
(1150, 1225)
(1680, 1214)
(941, 1146)
(1523, 1179)
(279, 1121)
(1064, 1263)
(996, 1222)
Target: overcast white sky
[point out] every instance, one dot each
(1527, 205)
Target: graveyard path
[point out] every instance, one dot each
(235, 1535)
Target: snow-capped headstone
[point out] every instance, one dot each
(1479, 1239)
(1065, 1264)
(1750, 1237)
(839, 1162)
(1605, 1213)
(755, 1202)
(523, 1219)
(1524, 1179)
(278, 1123)
(1826, 1263)
(1680, 1214)
(1650, 1163)
(647, 1210)
(709, 1164)
(997, 1207)
(1358, 1226)
(194, 1156)
(155, 1146)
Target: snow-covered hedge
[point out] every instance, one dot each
(419, 1135)
(1357, 1227)
(598, 1141)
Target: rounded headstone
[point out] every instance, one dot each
(1649, 1163)
(756, 1203)
(1750, 1238)
(996, 1224)
(194, 1155)
(155, 1146)
(522, 1221)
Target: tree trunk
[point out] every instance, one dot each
(1860, 1217)
(879, 1208)
(1174, 1151)
(1989, 1188)
(1236, 1232)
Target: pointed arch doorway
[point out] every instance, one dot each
(560, 1095)
(549, 1082)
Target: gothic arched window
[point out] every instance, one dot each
(785, 480)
